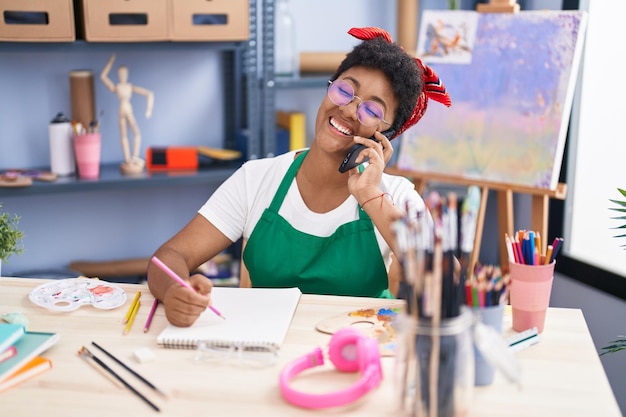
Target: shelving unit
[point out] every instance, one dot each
(241, 101)
(249, 97)
(268, 95)
(304, 81)
(270, 83)
(111, 179)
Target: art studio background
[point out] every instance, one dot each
(186, 79)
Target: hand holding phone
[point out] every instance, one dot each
(349, 161)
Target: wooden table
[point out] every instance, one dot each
(562, 374)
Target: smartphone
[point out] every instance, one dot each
(349, 161)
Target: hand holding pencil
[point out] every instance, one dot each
(184, 305)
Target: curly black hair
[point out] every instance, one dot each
(400, 69)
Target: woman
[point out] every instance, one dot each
(303, 222)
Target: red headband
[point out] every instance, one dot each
(433, 87)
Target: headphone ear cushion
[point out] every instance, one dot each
(369, 354)
(344, 349)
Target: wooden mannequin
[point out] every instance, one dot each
(132, 164)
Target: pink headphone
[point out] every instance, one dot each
(350, 351)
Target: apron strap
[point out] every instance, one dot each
(277, 201)
(283, 188)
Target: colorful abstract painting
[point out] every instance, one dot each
(511, 78)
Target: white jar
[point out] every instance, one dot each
(286, 57)
(61, 150)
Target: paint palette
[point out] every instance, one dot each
(378, 323)
(69, 294)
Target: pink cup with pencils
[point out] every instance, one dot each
(531, 273)
(88, 148)
(486, 293)
(531, 286)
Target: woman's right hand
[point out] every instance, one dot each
(182, 306)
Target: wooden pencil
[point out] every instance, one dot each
(146, 326)
(132, 307)
(131, 319)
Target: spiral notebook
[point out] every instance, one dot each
(255, 318)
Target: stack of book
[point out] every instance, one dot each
(20, 352)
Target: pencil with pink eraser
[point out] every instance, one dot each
(181, 281)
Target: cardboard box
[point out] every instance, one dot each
(125, 20)
(37, 21)
(215, 20)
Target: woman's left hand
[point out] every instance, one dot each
(379, 153)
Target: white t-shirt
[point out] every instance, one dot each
(237, 205)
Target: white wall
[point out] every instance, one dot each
(595, 167)
(597, 153)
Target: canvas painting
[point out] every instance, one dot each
(511, 78)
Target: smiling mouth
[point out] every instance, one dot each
(341, 128)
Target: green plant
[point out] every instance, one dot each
(621, 208)
(620, 343)
(615, 345)
(10, 235)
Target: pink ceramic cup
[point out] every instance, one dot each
(531, 286)
(88, 148)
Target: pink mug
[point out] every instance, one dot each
(87, 148)
(531, 286)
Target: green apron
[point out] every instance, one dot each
(346, 263)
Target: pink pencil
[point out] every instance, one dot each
(178, 279)
(146, 327)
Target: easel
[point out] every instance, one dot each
(540, 197)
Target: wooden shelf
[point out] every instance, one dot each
(112, 179)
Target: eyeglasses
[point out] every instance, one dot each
(247, 356)
(368, 112)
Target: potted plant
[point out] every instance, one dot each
(619, 343)
(10, 236)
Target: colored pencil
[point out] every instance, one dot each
(469, 297)
(548, 255)
(486, 288)
(129, 369)
(86, 354)
(181, 281)
(528, 249)
(517, 253)
(538, 241)
(531, 248)
(129, 324)
(509, 248)
(132, 307)
(146, 327)
(556, 249)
